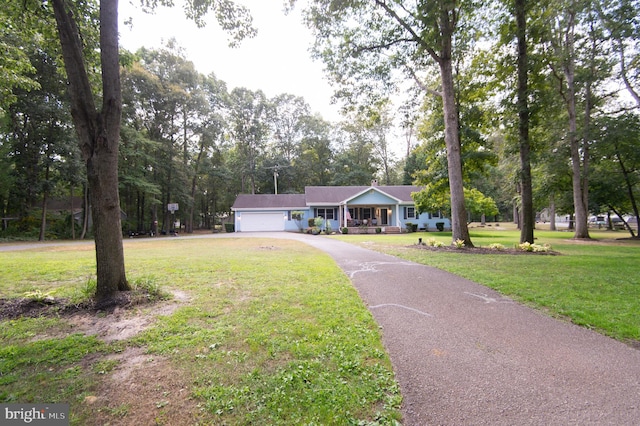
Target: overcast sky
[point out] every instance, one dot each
(276, 61)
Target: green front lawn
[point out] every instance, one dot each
(273, 333)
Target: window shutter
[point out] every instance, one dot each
(405, 212)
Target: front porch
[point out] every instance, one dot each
(367, 216)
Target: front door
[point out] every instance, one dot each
(384, 218)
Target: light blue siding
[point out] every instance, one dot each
(425, 221)
(372, 197)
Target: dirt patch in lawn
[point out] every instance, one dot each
(139, 388)
(119, 323)
(143, 389)
(49, 306)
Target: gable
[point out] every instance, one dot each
(371, 196)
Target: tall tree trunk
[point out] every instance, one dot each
(45, 197)
(85, 210)
(73, 218)
(579, 196)
(43, 217)
(552, 215)
(98, 134)
(194, 185)
(528, 219)
(459, 225)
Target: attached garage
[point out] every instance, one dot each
(267, 212)
(254, 222)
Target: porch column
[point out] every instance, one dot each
(344, 215)
(398, 216)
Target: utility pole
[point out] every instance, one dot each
(275, 179)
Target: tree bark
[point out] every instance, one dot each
(45, 197)
(528, 219)
(459, 228)
(98, 135)
(579, 198)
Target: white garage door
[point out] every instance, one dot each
(252, 222)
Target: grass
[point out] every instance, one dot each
(595, 284)
(273, 333)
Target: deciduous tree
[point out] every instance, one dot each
(98, 127)
(362, 43)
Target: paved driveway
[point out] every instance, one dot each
(464, 355)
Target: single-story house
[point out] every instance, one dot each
(386, 207)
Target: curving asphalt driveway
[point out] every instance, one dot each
(465, 355)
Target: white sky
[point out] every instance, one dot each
(276, 61)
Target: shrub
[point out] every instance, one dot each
(318, 222)
(297, 216)
(410, 227)
(345, 230)
(496, 246)
(526, 246)
(432, 242)
(378, 230)
(229, 227)
(458, 243)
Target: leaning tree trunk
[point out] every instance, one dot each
(98, 135)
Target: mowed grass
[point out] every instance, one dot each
(273, 333)
(595, 284)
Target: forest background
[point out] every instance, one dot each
(188, 138)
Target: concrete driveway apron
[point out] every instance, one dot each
(465, 355)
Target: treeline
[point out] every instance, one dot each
(542, 107)
(186, 139)
(531, 104)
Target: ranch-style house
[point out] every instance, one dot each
(389, 208)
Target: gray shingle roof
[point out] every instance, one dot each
(270, 201)
(336, 194)
(315, 195)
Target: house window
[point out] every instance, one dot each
(411, 212)
(325, 213)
